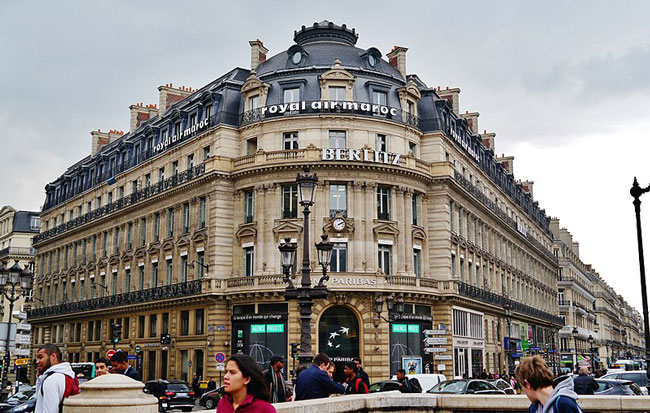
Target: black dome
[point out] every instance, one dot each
(325, 31)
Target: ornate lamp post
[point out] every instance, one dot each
(554, 353)
(507, 308)
(575, 332)
(305, 293)
(11, 279)
(636, 191)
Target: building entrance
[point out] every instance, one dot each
(338, 337)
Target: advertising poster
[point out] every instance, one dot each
(412, 364)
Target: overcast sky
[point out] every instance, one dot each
(564, 85)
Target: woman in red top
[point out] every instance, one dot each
(245, 388)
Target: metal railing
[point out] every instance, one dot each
(133, 297)
(16, 251)
(144, 193)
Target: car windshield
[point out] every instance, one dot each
(21, 396)
(178, 387)
(83, 370)
(449, 387)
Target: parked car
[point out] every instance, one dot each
(503, 385)
(610, 387)
(21, 402)
(171, 394)
(384, 385)
(210, 399)
(639, 377)
(83, 371)
(427, 381)
(469, 386)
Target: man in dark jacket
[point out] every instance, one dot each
(120, 364)
(315, 383)
(404, 385)
(354, 384)
(274, 379)
(362, 374)
(584, 383)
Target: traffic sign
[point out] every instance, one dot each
(221, 367)
(131, 357)
(443, 357)
(435, 349)
(430, 341)
(110, 353)
(138, 349)
(21, 362)
(220, 357)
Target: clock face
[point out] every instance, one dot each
(339, 224)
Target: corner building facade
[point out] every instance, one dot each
(174, 226)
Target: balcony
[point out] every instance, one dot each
(16, 251)
(122, 203)
(133, 297)
(471, 291)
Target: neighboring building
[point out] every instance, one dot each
(409, 191)
(17, 229)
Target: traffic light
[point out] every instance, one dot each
(116, 332)
(165, 339)
(294, 350)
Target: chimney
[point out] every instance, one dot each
(488, 140)
(452, 96)
(472, 120)
(397, 59)
(555, 227)
(528, 187)
(258, 53)
(170, 95)
(99, 139)
(566, 238)
(507, 162)
(141, 113)
(576, 249)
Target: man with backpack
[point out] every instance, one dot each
(407, 385)
(355, 385)
(56, 380)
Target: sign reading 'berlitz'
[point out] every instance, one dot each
(360, 155)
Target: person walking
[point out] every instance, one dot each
(354, 383)
(536, 381)
(315, 383)
(275, 380)
(404, 384)
(212, 384)
(56, 380)
(362, 374)
(584, 383)
(244, 387)
(121, 365)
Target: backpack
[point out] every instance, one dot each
(71, 387)
(415, 385)
(357, 381)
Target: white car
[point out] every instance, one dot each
(427, 381)
(638, 376)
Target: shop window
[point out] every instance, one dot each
(273, 308)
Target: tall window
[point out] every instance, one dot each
(127, 280)
(379, 98)
(339, 262)
(141, 326)
(336, 93)
(254, 102)
(289, 140)
(417, 262)
(154, 275)
(206, 152)
(415, 209)
(337, 139)
(413, 149)
(186, 217)
(384, 258)
(249, 258)
(161, 174)
(338, 199)
(291, 95)
(381, 142)
(249, 206)
(147, 180)
(289, 201)
(156, 227)
(200, 257)
(168, 272)
(190, 161)
(184, 268)
(129, 236)
(174, 168)
(116, 241)
(202, 211)
(165, 324)
(170, 222)
(153, 325)
(143, 231)
(114, 292)
(383, 202)
(141, 277)
(199, 317)
(185, 322)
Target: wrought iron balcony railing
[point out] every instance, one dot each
(133, 297)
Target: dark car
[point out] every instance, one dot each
(469, 386)
(171, 394)
(21, 402)
(503, 385)
(210, 399)
(384, 385)
(609, 387)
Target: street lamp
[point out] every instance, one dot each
(507, 309)
(325, 249)
(590, 339)
(390, 305)
(305, 293)
(575, 333)
(288, 256)
(11, 279)
(554, 353)
(636, 191)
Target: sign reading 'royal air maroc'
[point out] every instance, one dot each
(174, 139)
(328, 106)
(360, 155)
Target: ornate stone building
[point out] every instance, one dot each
(174, 226)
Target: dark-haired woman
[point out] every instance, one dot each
(245, 388)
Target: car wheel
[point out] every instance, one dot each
(210, 404)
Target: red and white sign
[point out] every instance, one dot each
(220, 357)
(110, 353)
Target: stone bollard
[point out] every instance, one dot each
(111, 393)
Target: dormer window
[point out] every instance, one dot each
(372, 60)
(296, 54)
(296, 58)
(372, 56)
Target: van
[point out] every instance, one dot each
(427, 381)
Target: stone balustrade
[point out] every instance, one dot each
(111, 393)
(412, 403)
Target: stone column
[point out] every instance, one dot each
(400, 216)
(406, 232)
(424, 215)
(356, 210)
(369, 247)
(260, 217)
(111, 392)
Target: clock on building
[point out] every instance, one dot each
(338, 224)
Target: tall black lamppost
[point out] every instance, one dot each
(507, 308)
(554, 353)
(636, 191)
(10, 280)
(305, 293)
(575, 333)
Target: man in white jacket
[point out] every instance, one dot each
(51, 382)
